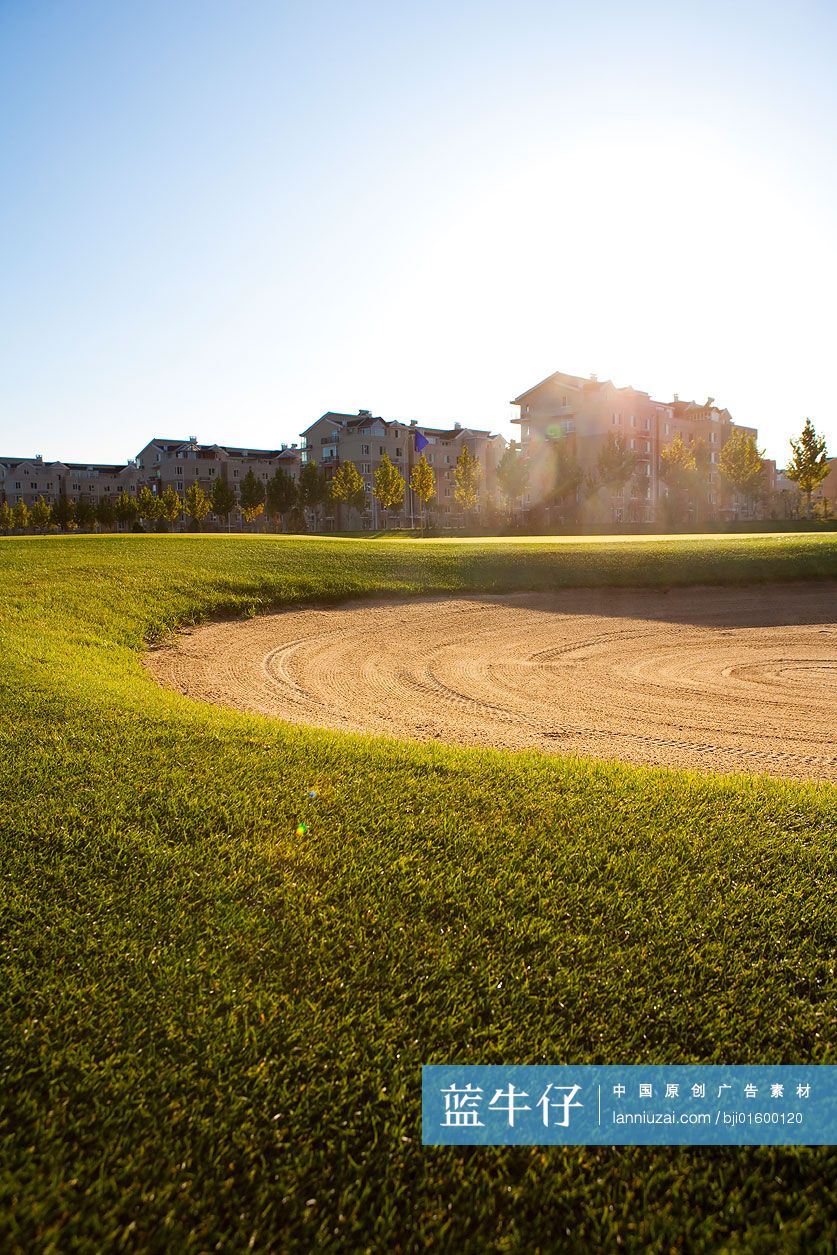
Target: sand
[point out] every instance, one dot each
(717, 679)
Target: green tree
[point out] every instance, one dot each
(7, 517)
(103, 513)
(616, 464)
(169, 507)
(21, 515)
(251, 498)
(222, 499)
(567, 480)
(513, 475)
(197, 504)
(281, 495)
(64, 512)
(126, 509)
(388, 486)
(741, 464)
(808, 466)
(466, 476)
(41, 515)
(678, 471)
(348, 487)
(423, 484)
(313, 488)
(148, 505)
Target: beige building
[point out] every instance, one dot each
(364, 439)
(165, 463)
(26, 479)
(581, 415)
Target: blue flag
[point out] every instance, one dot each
(421, 442)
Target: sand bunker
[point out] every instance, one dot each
(713, 678)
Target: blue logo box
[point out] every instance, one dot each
(664, 1105)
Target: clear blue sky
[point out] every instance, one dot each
(223, 219)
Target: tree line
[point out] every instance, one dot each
(562, 486)
(684, 467)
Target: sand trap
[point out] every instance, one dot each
(713, 678)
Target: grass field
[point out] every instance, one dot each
(212, 1030)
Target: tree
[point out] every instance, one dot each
(281, 495)
(251, 497)
(808, 466)
(64, 512)
(678, 470)
(388, 486)
(466, 475)
(567, 478)
(312, 487)
(21, 515)
(348, 486)
(169, 507)
(197, 504)
(513, 475)
(41, 515)
(741, 464)
(222, 499)
(7, 518)
(104, 513)
(423, 484)
(147, 505)
(616, 464)
(126, 509)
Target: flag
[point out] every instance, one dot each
(421, 442)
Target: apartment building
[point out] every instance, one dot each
(363, 439)
(583, 413)
(27, 479)
(177, 464)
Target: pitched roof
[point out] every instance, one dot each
(573, 381)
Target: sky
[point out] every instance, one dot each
(224, 219)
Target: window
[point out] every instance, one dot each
(364, 431)
(633, 420)
(17, 485)
(381, 450)
(617, 420)
(235, 473)
(633, 444)
(648, 446)
(212, 470)
(76, 487)
(564, 399)
(398, 453)
(648, 424)
(31, 485)
(666, 429)
(178, 470)
(364, 449)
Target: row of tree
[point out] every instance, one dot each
(683, 469)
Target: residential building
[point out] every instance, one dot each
(363, 439)
(164, 463)
(26, 479)
(581, 415)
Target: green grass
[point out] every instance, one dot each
(207, 1022)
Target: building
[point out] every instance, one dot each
(26, 479)
(363, 439)
(580, 416)
(164, 463)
